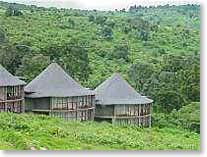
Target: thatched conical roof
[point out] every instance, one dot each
(7, 79)
(115, 90)
(55, 82)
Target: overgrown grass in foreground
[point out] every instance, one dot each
(27, 131)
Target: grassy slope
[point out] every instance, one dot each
(40, 132)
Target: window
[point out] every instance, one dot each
(2, 106)
(83, 115)
(14, 92)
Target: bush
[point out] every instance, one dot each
(106, 32)
(120, 52)
(188, 117)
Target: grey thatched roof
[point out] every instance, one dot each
(115, 90)
(7, 79)
(54, 82)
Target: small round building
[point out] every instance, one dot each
(119, 103)
(11, 92)
(53, 92)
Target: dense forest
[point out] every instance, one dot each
(157, 49)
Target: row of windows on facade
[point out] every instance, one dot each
(11, 93)
(15, 107)
(72, 103)
(132, 110)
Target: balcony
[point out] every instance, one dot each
(12, 100)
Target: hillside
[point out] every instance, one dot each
(111, 40)
(26, 132)
(156, 49)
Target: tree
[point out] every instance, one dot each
(106, 32)
(72, 56)
(120, 51)
(140, 73)
(187, 71)
(135, 8)
(10, 56)
(32, 66)
(71, 23)
(13, 11)
(110, 22)
(173, 62)
(168, 100)
(2, 36)
(141, 26)
(144, 30)
(178, 82)
(100, 19)
(190, 78)
(126, 29)
(91, 18)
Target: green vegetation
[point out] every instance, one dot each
(187, 117)
(157, 49)
(26, 132)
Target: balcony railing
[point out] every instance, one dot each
(11, 100)
(72, 108)
(62, 110)
(14, 97)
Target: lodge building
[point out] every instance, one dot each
(53, 92)
(119, 103)
(11, 92)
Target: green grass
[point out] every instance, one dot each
(27, 131)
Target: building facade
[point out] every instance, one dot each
(55, 93)
(11, 92)
(119, 103)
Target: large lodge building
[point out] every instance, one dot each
(55, 93)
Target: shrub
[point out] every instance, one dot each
(188, 117)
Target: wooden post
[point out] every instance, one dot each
(139, 114)
(76, 107)
(6, 105)
(145, 113)
(150, 119)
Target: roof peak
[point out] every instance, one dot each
(54, 63)
(116, 74)
(117, 89)
(54, 81)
